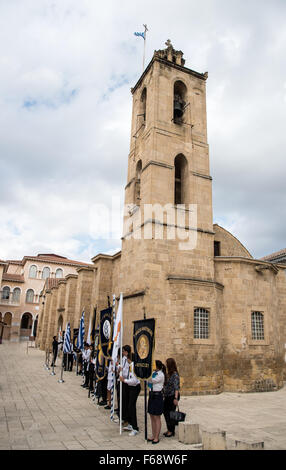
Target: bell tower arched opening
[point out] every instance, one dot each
(181, 180)
(180, 100)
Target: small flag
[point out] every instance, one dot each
(117, 331)
(80, 338)
(88, 339)
(140, 34)
(67, 341)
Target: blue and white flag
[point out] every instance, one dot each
(140, 34)
(80, 338)
(67, 341)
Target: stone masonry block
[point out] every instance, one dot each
(214, 440)
(189, 433)
(246, 445)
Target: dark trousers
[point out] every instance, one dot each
(125, 401)
(55, 353)
(132, 414)
(91, 376)
(169, 406)
(70, 362)
(86, 373)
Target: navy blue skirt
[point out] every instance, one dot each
(155, 403)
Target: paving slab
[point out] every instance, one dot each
(38, 412)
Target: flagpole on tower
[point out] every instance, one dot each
(145, 31)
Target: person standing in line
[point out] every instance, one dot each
(126, 355)
(86, 357)
(109, 385)
(134, 389)
(171, 395)
(55, 345)
(156, 402)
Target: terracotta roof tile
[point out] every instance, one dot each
(275, 255)
(13, 277)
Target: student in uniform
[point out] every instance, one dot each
(126, 355)
(156, 402)
(86, 357)
(134, 389)
(109, 385)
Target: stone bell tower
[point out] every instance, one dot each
(168, 167)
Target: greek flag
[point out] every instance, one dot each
(80, 338)
(67, 341)
(140, 34)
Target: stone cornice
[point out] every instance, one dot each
(201, 76)
(193, 280)
(258, 264)
(134, 294)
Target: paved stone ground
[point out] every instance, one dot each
(38, 412)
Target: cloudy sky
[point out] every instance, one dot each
(66, 69)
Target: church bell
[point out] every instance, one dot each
(178, 109)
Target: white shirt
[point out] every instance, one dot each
(125, 367)
(132, 381)
(158, 381)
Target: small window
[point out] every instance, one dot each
(30, 296)
(201, 323)
(257, 325)
(216, 248)
(6, 293)
(33, 271)
(59, 273)
(46, 273)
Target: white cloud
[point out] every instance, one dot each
(66, 72)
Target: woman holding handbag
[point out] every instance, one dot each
(171, 395)
(155, 402)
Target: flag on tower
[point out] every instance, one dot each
(140, 34)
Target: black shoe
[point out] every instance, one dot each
(107, 407)
(116, 410)
(103, 403)
(156, 442)
(169, 435)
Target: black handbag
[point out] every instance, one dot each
(177, 416)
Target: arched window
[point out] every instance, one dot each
(59, 273)
(5, 293)
(137, 188)
(201, 323)
(257, 325)
(16, 294)
(26, 321)
(143, 103)
(30, 296)
(180, 97)
(33, 271)
(181, 180)
(46, 273)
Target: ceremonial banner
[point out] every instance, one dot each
(105, 332)
(93, 330)
(100, 364)
(143, 342)
(75, 335)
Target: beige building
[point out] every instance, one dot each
(21, 284)
(219, 312)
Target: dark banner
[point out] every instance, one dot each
(93, 329)
(105, 332)
(143, 342)
(75, 335)
(100, 369)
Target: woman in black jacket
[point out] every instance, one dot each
(171, 395)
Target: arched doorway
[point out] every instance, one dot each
(7, 328)
(34, 332)
(26, 326)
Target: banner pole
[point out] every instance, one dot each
(145, 407)
(121, 342)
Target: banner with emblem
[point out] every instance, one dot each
(144, 343)
(100, 369)
(75, 335)
(105, 332)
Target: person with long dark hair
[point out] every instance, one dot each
(155, 402)
(171, 395)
